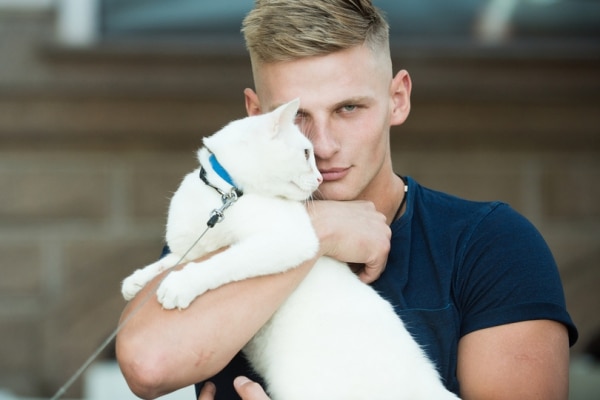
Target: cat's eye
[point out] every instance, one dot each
(307, 153)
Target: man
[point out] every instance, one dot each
(474, 282)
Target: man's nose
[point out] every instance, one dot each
(323, 139)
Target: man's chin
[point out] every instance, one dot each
(331, 193)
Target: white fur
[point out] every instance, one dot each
(335, 338)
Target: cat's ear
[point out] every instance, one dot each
(289, 110)
(285, 114)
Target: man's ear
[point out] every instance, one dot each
(252, 102)
(400, 96)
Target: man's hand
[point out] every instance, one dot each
(353, 232)
(247, 390)
(208, 391)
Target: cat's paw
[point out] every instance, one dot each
(133, 284)
(176, 291)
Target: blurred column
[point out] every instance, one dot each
(78, 22)
(493, 24)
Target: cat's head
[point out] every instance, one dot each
(268, 154)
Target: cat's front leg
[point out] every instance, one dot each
(256, 256)
(180, 288)
(140, 278)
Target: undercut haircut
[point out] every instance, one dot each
(285, 30)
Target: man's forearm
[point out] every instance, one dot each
(160, 351)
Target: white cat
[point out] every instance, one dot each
(335, 338)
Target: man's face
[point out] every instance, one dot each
(346, 104)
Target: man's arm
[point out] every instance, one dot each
(524, 360)
(163, 350)
(160, 351)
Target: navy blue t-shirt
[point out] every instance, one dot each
(456, 266)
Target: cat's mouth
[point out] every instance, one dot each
(304, 190)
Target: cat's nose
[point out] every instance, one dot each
(319, 179)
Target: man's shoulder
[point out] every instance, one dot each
(441, 206)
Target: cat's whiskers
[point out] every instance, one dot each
(309, 202)
(317, 195)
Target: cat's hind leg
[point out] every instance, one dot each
(140, 278)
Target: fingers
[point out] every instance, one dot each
(355, 232)
(371, 272)
(208, 391)
(249, 390)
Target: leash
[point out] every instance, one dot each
(216, 216)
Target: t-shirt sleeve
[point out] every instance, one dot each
(507, 274)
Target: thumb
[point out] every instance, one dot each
(249, 390)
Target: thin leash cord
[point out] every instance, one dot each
(114, 333)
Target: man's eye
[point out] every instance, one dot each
(300, 116)
(349, 107)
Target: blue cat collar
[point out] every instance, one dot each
(223, 174)
(218, 168)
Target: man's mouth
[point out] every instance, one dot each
(334, 174)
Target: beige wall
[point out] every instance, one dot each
(93, 142)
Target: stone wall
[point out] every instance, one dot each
(94, 141)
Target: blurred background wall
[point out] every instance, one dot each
(103, 103)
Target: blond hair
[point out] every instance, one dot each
(284, 30)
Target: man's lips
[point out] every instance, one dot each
(334, 174)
